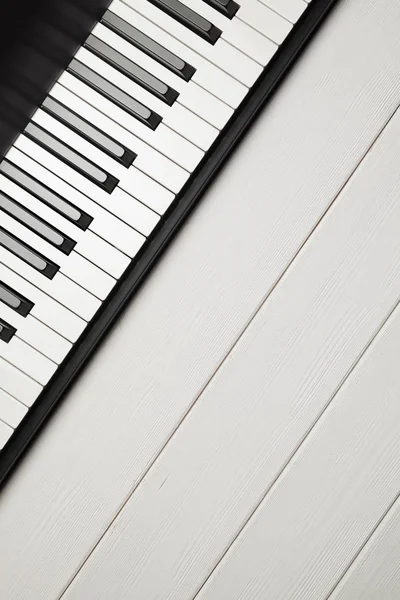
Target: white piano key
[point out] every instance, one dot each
(37, 335)
(28, 360)
(132, 211)
(144, 189)
(70, 156)
(64, 133)
(62, 289)
(163, 139)
(57, 166)
(136, 37)
(88, 275)
(135, 72)
(74, 266)
(11, 410)
(150, 161)
(176, 117)
(240, 31)
(5, 433)
(19, 212)
(290, 9)
(264, 20)
(104, 224)
(89, 245)
(208, 75)
(46, 309)
(78, 181)
(90, 133)
(18, 384)
(191, 95)
(100, 252)
(72, 213)
(133, 181)
(222, 54)
(205, 105)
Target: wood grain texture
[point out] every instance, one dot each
(181, 326)
(375, 574)
(333, 493)
(257, 410)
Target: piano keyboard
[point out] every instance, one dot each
(110, 163)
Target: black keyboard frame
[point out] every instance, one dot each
(162, 236)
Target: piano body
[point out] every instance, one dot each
(115, 117)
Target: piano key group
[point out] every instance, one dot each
(105, 156)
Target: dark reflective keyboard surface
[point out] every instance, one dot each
(37, 40)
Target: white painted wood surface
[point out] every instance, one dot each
(191, 312)
(375, 573)
(259, 407)
(330, 497)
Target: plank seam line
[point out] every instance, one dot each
(303, 440)
(368, 539)
(220, 365)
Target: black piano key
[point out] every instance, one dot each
(7, 332)
(136, 73)
(88, 131)
(15, 300)
(71, 157)
(133, 107)
(150, 47)
(43, 193)
(27, 254)
(36, 224)
(228, 8)
(189, 18)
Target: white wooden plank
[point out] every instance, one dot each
(333, 493)
(161, 355)
(375, 574)
(258, 408)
